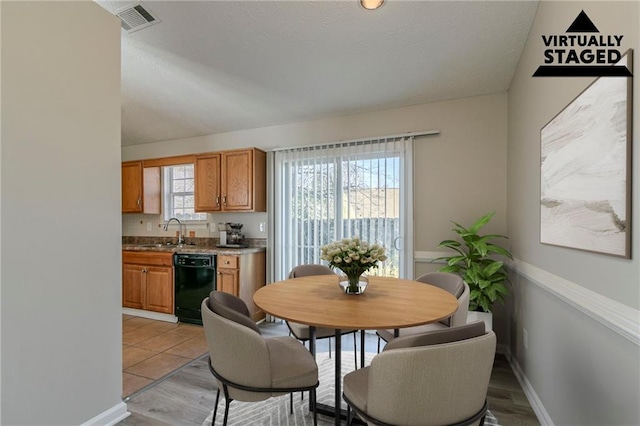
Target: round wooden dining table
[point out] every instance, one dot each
(388, 303)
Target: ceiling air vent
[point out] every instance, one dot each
(135, 17)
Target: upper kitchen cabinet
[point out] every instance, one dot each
(140, 188)
(207, 172)
(232, 181)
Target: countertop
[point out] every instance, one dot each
(187, 248)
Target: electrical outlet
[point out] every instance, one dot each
(212, 227)
(525, 338)
(149, 226)
(263, 227)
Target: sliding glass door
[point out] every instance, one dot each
(329, 192)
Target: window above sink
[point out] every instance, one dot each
(179, 199)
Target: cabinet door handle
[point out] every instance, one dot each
(218, 200)
(139, 201)
(224, 200)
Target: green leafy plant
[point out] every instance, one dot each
(485, 275)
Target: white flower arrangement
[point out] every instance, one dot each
(353, 256)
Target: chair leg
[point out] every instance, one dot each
(378, 344)
(329, 347)
(291, 402)
(348, 415)
(227, 403)
(215, 408)
(312, 398)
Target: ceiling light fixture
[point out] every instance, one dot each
(371, 4)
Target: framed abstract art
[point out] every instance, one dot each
(585, 169)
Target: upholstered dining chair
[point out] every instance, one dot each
(439, 377)
(301, 331)
(247, 366)
(452, 283)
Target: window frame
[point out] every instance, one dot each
(168, 194)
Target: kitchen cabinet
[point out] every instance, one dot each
(147, 281)
(207, 171)
(228, 281)
(242, 275)
(231, 181)
(132, 287)
(140, 188)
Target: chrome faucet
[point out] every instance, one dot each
(180, 234)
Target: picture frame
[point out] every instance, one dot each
(585, 169)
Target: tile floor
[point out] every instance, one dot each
(152, 349)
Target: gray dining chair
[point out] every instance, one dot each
(452, 283)
(440, 377)
(301, 331)
(247, 366)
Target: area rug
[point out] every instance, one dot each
(276, 411)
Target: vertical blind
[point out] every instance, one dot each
(328, 192)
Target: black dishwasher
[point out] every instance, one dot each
(195, 278)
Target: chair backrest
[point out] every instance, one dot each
(438, 337)
(460, 316)
(455, 285)
(232, 308)
(237, 353)
(431, 385)
(310, 270)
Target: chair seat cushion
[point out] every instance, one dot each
(355, 388)
(301, 331)
(387, 335)
(292, 365)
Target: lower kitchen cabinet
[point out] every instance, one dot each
(242, 275)
(228, 281)
(132, 287)
(147, 281)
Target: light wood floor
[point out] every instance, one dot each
(186, 396)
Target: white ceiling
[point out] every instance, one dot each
(216, 66)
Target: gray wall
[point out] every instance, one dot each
(60, 213)
(579, 365)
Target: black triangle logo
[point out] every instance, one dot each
(582, 24)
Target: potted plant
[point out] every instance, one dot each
(475, 262)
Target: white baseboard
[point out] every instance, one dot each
(527, 388)
(112, 416)
(150, 315)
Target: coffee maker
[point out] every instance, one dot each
(231, 235)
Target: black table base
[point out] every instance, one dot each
(327, 410)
